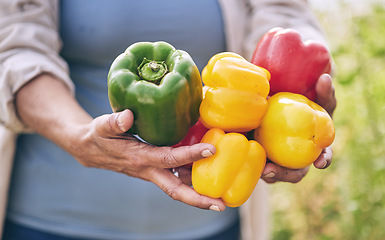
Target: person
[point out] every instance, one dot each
(76, 174)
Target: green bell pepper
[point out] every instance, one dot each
(161, 86)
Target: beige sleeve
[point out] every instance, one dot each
(7, 150)
(29, 46)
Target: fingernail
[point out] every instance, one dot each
(206, 153)
(215, 208)
(270, 175)
(120, 122)
(325, 164)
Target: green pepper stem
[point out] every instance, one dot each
(154, 66)
(152, 71)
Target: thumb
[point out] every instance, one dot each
(110, 125)
(326, 93)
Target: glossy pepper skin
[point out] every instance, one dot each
(161, 86)
(194, 135)
(233, 171)
(236, 97)
(295, 66)
(294, 130)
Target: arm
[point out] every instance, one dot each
(29, 46)
(37, 95)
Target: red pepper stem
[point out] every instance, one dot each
(152, 71)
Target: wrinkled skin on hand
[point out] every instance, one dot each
(110, 147)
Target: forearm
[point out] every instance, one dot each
(47, 106)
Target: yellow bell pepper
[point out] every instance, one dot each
(236, 97)
(294, 130)
(233, 171)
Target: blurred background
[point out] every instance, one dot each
(347, 200)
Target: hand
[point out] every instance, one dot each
(274, 173)
(105, 145)
(47, 106)
(326, 98)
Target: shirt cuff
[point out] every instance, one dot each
(17, 70)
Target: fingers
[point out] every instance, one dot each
(325, 158)
(168, 157)
(184, 174)
(326, 93)
(273, 173)
(152, 163)
(177, 190)
(111, 125)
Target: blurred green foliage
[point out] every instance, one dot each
(347, 200)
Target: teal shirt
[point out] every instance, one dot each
(50, 190)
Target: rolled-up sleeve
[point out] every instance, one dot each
(29, 46)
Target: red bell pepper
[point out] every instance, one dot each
(194, 135)
(295, 66)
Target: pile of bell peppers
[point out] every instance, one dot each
(270, 97)
(274, 98)
(294, 129)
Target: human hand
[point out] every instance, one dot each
(326, 98)
(46, 105)
(275, 173)
(106, 145)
